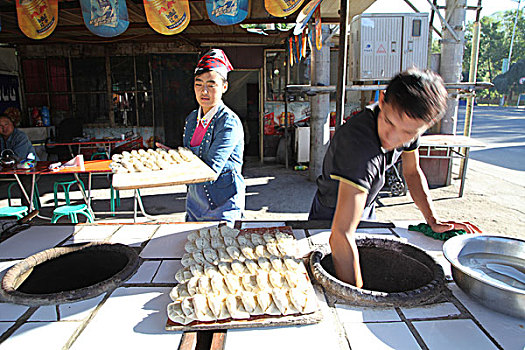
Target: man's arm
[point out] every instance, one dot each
(418, 187)
(350, 204)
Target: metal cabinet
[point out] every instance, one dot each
(384, 44)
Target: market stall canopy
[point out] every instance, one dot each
(201, 31)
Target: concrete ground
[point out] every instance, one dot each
(494, 198)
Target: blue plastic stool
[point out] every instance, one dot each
(66, 185)
(71, 211)
(19, 212)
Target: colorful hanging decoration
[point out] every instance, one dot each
(297, 41)
(106, 18)
(282, 8)
(318, 29)
(227, 12)
(167, 17)
(290, 50)
(304, 16)
(37, 19)
(303, 43)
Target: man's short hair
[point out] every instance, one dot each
(421, 94)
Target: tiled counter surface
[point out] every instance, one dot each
(133, 316)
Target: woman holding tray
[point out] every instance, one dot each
(215, 134)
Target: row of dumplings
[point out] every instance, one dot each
(239, 267)
(150, 160)
(241, 253)
(213, 232)
(212, 307)
(232, 283)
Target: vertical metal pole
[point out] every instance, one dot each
(286, 70)
(136, 93)
(452, 58)
(472, 79)
(342, 62)
(152, 100)
(262, 98)
(109, 91)
(320, 108)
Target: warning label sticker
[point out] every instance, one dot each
(381, 48)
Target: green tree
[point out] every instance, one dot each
(495, 38)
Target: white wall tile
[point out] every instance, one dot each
(93, 233)
(11, 312)
(133, 235)
(34, 240)
(40, 335)
(132, 318)
(303, 245)
(76, 311)
(453, 334)
(349, 313)
(431, 311)
(145, 272)
(169, 240)
(378, 336)
(508, 331)
(319, 237)
(4, 326)
(166, 271)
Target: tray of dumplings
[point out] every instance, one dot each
(155, 168)
(241, 278)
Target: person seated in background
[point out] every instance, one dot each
(15, 139)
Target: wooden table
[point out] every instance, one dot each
(452, 145)
(194, 172)
(42, 168)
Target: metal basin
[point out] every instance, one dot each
(491, 269)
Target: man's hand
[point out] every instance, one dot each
(443, 226)
(160, 145)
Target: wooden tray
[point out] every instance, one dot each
(195, 171)
(254, 321)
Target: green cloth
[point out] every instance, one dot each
(425, 228)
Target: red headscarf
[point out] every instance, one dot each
(215, 60)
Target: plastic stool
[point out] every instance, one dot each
(19, 212)
(66, 185)
(36, 195)
(71, 211)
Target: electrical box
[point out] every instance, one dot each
(383, 45)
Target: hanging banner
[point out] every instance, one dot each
(318, 29)
(106, 18)
(167, 17)
(37, 18)
(227, 12)
(298, 48)
(304, 16)
(303, 43)
(282, 8)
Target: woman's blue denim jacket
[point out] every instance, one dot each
(222, 150)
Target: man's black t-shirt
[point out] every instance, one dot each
(355, 156)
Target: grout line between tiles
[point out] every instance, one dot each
(412, 329)
(86, 321)
(18, 323)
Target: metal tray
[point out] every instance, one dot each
(491, 269)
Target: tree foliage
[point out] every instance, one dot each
(495, 38)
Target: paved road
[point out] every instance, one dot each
(503, 130)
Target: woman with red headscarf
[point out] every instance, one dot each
(215, 134)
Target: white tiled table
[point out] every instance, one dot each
(133, 316)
